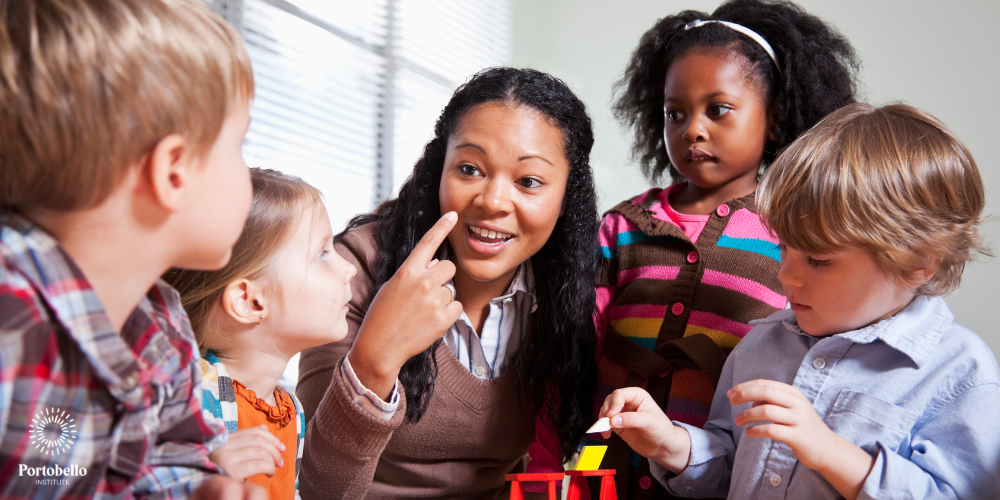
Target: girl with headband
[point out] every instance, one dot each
(712, 99)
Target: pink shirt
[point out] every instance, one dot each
(692, 225)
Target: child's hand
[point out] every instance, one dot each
(643, 425)
(249, 452)
(795, 423)
(226, 488)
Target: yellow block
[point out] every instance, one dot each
(590, 458)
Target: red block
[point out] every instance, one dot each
(608, 491)
(516, 479)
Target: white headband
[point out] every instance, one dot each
(742, 29)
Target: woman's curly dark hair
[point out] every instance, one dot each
(557, 360)
(818, 72)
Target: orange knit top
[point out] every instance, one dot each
(280, 421)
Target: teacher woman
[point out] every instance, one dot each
(471, 325)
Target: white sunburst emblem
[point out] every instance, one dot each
(52, 431)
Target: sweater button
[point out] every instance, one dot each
(645, 482)
(480, 371)
(723, 210)
(692, 257)
(677, 309)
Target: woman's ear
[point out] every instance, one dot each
(244, 301)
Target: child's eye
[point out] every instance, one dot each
(817, 263)
(467, 169)
(530, 183)
(671, 115)
(718, 110)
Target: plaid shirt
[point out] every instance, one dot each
(129, 404)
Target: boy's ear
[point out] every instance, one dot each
(244, 301)
(922, 275)
(168, 168)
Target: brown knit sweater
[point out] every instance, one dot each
(472, 433)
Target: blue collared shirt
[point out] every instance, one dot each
(917, 391)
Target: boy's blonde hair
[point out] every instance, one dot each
(892, 180)
(87, 87)
(279, 200)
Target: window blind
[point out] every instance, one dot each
(348, 90)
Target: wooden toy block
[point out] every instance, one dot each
(608, 491)
(516, 493)
(590, 458)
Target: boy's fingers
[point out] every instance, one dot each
(634, 420)
(424, 251)
(771, 413)
(770, 393)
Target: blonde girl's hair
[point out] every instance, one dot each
(279, 200)
(892, 180)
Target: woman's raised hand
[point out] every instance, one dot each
(411, 311)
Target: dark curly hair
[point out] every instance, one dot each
(556, 362)
(818, 72)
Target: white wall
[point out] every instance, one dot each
(940, 56)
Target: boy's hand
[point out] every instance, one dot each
(795, 423)
(249, 452)
(643, 425)
(227, 488)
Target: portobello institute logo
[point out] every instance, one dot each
(52, 431)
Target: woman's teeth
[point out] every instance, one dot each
(489, 234)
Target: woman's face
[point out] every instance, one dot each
(505, 173)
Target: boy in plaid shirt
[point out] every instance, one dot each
(121, 123)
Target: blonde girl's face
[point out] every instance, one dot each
(839, 291)
(315, 284)
(716, 120)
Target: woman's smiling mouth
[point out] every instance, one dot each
(488, 237)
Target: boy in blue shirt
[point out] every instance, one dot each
(866, 388)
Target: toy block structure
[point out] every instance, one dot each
(516, 479)
(586, 466)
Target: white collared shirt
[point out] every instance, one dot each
(485, 355)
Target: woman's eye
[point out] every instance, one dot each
(529, 183)
(467, 169)
(324, 254)
(718, 110)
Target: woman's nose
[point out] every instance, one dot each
(495, 197)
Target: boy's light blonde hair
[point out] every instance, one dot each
(279, 201)
(87, 87)
(892, 180)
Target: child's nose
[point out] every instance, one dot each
(695, 130)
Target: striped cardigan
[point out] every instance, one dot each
(669, 311)
(219, 404)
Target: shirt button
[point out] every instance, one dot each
(775, 480)
(480, 371)
(722, 211)
(508, 300)
(645, 482)
(692, 257)
(819, 363)
(677, 309)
